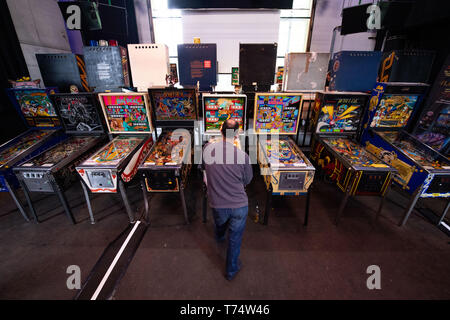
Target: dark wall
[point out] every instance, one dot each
(12, 67)
(118, 23)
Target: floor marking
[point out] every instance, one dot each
(113, 264)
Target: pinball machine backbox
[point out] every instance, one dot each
(220, 107)
(149, 64)
(106, 68)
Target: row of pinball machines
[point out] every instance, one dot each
(360, 143)
(361, 150)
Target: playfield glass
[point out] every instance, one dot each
(219, 109)
(394, 111)
(126, 113)
(59, 152)
(22, 145)
(277, 113)
(114, 152)
(174, 104)
(169, 149)
(353, 153)
(78, 112)
(414, 149)
(433, 128)
(340, 115)
(281, 152)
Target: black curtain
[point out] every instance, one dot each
(12, 66)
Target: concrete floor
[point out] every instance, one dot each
(283, 260)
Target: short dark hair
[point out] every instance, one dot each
(229, 124)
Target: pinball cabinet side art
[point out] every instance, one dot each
(284, 167)
(421, 171)
(130, 128)
(336, 122)
(168, 164)
(36, 109)
(53, 171)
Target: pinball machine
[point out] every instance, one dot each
(36, 109)
(53, 170)
(217, 108)
(130, 129)
(285, 169)
(336, 123)
(168, 164)
(421, 171)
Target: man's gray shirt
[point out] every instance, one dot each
(228, 171)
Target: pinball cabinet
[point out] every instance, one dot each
(130, 128)
(168, 164)
(285, 169)
(336, 123)
(36, 109)
(421, 171)
(53, 170)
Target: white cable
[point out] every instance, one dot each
(113, 264)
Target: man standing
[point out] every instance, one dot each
(228, 171)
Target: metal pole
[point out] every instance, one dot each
(88, 202)
(125, 201)
(16, 200)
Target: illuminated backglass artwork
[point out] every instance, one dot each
(221, 108)
(126, 113)
(174, 104)
(394, 111)
(340, 115)
(277, 113)
(36, 107)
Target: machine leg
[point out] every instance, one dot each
(30, 203)
(88, 202)
(183, 202)
(146, 202)
(308, 194)
(343, 203)
(205, 203)
(444, 212)
(410, 208)
(62, 198)
(125, 201)
(17, 202)
(268, 206)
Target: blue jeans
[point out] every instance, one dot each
(234, 219)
